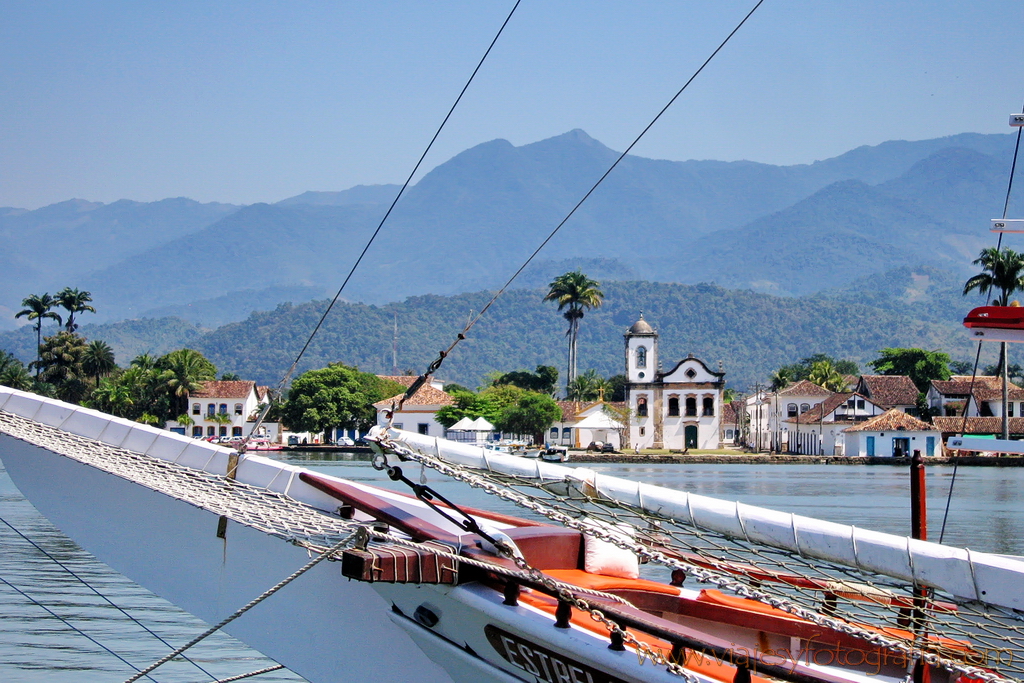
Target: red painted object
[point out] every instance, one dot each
(998, 317)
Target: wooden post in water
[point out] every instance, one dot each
(918, 499)
(919, 530)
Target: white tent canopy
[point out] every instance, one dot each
(463, 424)
(482, 425)
(599, 420)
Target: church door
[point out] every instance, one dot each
(690, 436)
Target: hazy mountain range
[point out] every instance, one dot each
(469, 223)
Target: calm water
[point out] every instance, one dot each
(987, 514)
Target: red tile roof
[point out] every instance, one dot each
(889, 391)
(225, 389)
(821, 410)
(977, 425)
(893, 420)
(424, 396)
(805, 387)
(986, 387)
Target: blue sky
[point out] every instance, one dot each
(256, 101)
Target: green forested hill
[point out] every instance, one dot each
(751, 334)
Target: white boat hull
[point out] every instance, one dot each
(322, 626)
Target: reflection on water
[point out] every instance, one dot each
(987, 513)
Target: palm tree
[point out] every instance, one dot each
(98, 359)
(184, 372)
(114, 397)
(781, 379)
(586, 387)
(185, 420)
(1002, 270)
(74, 301)
(825, 375)
(13, 373)
(574, 292)
(60, 363)
(38, 308)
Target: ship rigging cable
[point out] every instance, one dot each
(421, 380)
(291, 369)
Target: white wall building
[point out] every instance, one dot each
(677, 410)
(820, 430)
(226, 409)
(894, 432)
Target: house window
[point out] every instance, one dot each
(673, 406)
(691, 406)
(709, 406)
(238, 409)
(211, 431)
(211, 409)
(1009, 409)
(223, 431)
(642, 431)
(236, 431)
(223, 408)
(554, 432)
(791, 410)
(851, 403)
(641, 407)
(728, 434)
(197, 409)
(641, 357)
(804, 407)
(860, 404)
(197, 431)
(566, 432)
(690, 373)
(423, 428)
(399, 425)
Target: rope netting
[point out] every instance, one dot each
(970, 638)
(260, 508)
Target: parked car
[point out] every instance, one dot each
(608, 448)
(345, 441)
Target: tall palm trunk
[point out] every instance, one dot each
(39, 345)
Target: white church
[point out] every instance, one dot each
(676, 410)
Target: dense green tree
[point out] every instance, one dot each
(13, 373)
(920, 365)
(795, 372)
(74, 301)
(60, 364)
(230, 377)
(98, 359)
(574, 292)
(586, 387)
(824, 374)
(544, 380)
(37, 308)
(182, 373)
(335, 396)
(531, 415)
(114, 395)
(615, 388)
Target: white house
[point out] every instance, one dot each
(892, 433)
(769, 411)
(418, 414)
(583, 423)
(820, 430)
(226, 409)
(984, 399)
(678, 409)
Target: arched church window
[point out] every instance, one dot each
(641, 407)
(791, 410)
(691, 406)
(673, 406)
(641, 357)
(709, 406)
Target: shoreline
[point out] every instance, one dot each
(766, 459)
